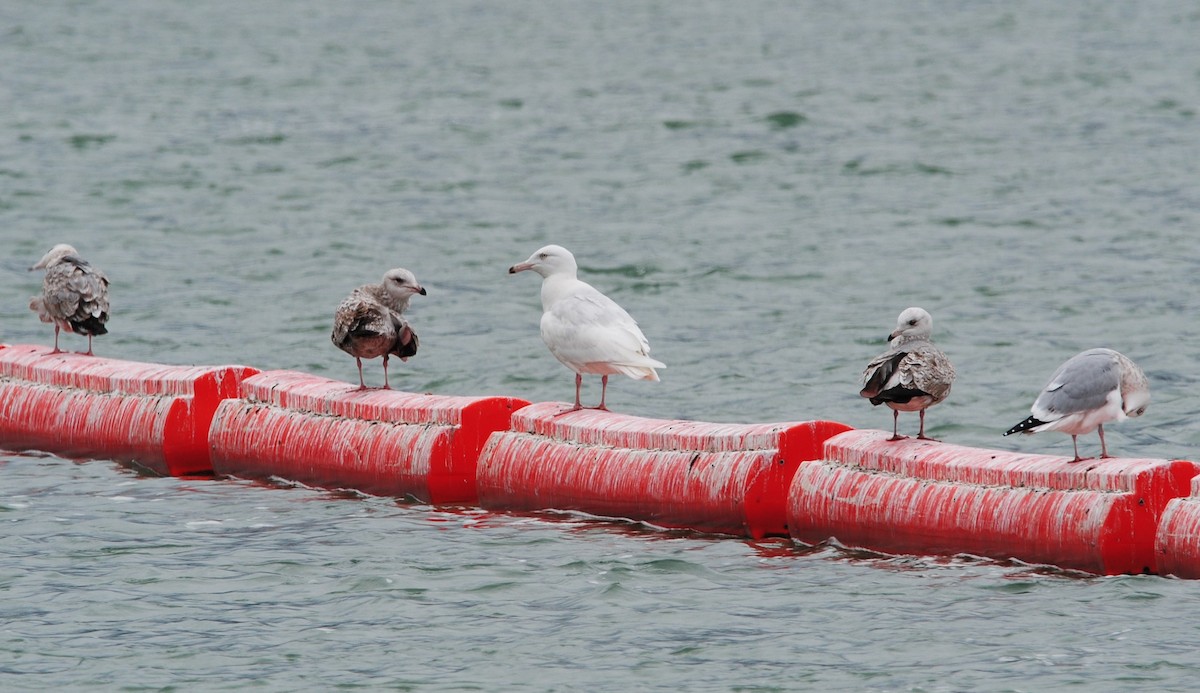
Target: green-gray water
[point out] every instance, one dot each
(764, 185)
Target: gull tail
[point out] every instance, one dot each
(38, 305)
(640, 372)
(1026, 426)
(90, 326)
(406, 343)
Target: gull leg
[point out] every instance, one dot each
(1103, 449)
(1075, 443)
(922, 435)
(56, 349)
(578, 405)
(603, 391)
(578, 384)
(89, 351)
(386, 384)
(362, 384)
(896, 426)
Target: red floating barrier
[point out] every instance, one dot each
(926, 497)
(1178, 540)
(86, 406)
(331, 434)
(721, 478)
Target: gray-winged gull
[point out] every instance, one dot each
(584, 329)
(913, 374)
(1091, 389)
(74, 294)
(368, 322)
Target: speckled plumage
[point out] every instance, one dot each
(913, 374)
(74, 294)
(368, 323)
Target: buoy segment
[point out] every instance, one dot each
(712, 477)
(152, 415)
(333, 434)
(1177, 543)
(925, 497)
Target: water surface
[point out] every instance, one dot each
(764, 186)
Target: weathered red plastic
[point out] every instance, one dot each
(331, 434)
(1178, 540)
(86, 406)
(711, 477)
(925, 497)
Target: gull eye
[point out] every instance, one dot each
(912, 322)
(543, 256)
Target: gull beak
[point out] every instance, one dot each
(421, 290)
(520, 267)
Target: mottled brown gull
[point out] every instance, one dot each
(369, 323)
(584, 329)
(1091, 389)
(74, 294)
(913, 374)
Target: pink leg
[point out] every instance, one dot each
(1075, 444)
(578, 385)
(896, 426)
(362, 384)
(921, 435)
(603, 392)
(386, 385)
(89, 351)
(1103, 449)
(56, 349)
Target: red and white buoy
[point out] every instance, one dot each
(927, 497)
(86, 406)
(712, 477)
(333, 434)
(810, 480)
(1177, 543)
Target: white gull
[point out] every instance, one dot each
(1091, 389)
(368, 322)
(913, 374)
(74, 294)
(584, 329)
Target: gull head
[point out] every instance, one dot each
(913, 323)
(547, 261)
(1136, 403)
(56, 254)
(401, 284)
(1135, 388)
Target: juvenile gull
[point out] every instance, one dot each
(368, 322)
(1089, 390)
(584, 329)
(913, 374)
(74, 294)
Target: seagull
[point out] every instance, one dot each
(74, 295)
(584, 329)
(368, 322)
(913, 374)
(1091, 389)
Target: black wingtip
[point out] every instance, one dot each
(1024, 426)
(406, 344)
(91, 326)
